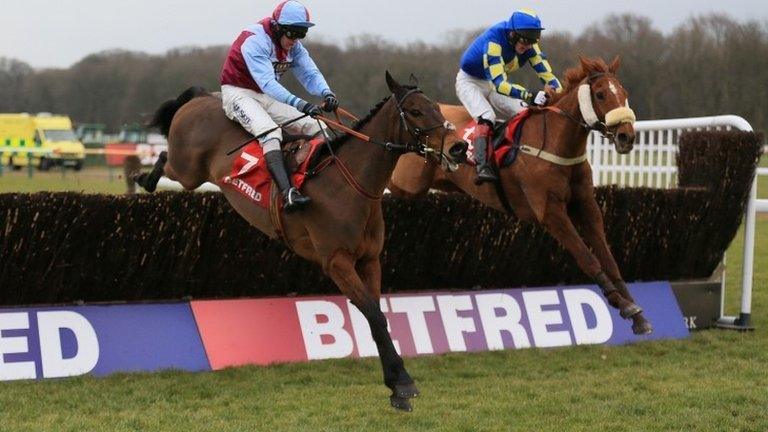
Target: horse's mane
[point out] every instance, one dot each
(575, 75)
(342, 138)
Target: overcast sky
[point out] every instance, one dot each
(58, 33)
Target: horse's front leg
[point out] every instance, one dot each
(403, 386)
(589, 219)
(555, 219)
(341, 267)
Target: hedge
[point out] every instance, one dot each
(65, 247)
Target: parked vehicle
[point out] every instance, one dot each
(43, 140)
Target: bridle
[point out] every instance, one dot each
(591, 121)
(422, 134)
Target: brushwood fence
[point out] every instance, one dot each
(66, 247)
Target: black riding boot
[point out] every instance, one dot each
(292, 198)
(480, 143)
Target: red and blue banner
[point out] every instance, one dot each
(53, 342)
(214, 334)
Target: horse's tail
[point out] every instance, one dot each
(164, 115)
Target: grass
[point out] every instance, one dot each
(715, 381)
(89, 180)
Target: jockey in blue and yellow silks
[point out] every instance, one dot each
(483, 85)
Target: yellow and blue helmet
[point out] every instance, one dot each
(525, 23)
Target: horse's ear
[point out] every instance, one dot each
(615, 64)
(585, 65)
(393, 85)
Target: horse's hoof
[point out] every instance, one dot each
(630, 310)
(405, 391)
(400, 404)
(642, 328)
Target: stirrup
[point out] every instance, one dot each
(294, 200)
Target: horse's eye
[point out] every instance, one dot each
(600, 96)
(415, 113)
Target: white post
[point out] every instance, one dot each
(749, 257)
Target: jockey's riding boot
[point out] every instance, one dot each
(480, 143)
(292, 198)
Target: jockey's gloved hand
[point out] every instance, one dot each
(540, 99)
(330, 102)
(311, 109)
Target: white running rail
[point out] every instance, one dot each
(167, 184)
(652, 163)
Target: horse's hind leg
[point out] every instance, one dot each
(341, 268)
(149, 180)
(589, 218)
(557, 223)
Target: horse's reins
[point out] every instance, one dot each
(622, 114)
(280, 126)
(419, 147)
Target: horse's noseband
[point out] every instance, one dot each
(613, 117)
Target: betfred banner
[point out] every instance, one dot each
(263, 331)
(70, 341)
(53, 342)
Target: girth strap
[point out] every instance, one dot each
(501, 192)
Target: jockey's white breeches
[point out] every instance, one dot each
(258, 113)
(481, 100)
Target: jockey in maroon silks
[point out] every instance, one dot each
(253, 96)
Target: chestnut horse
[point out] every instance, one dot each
(343, 228)
(551, 181)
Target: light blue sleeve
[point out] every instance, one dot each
(307, 73)
(256, 52)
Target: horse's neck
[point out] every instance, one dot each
(569, 140)
(370, 163)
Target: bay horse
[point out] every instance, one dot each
(343, 229)
(550, 182)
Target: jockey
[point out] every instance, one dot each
(482, 84)
(253, 96)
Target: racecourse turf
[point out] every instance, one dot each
(89, 180)
(715, 381)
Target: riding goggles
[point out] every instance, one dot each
(294, 33)
(528, 37)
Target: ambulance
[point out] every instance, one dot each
(44, 140)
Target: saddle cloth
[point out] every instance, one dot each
(506, 139)
(250, 175)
